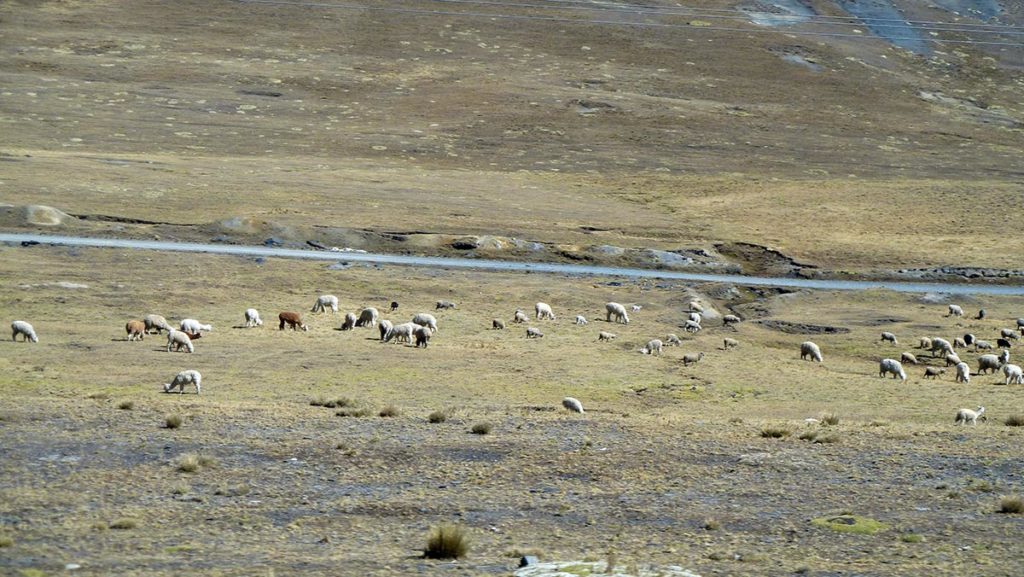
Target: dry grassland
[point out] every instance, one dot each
(663, 452)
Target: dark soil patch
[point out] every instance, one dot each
(802, 328)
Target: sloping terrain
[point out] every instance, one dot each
(671, 127)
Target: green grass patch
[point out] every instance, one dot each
(6, 542)
(911, 538)
(850, 524)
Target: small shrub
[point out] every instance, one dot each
(126, 405)
(1013, 505)
(344, 402)
(774, 432)
(830, 419)
(389, 411)
(446, 542)
(980, 486)
(816, 437)
(232, 490)
(191, 462)
(179, 490)
(124, 523)
(437, 417)
(481, 428)
(1014, 421)
(353, 412)
(173, 421)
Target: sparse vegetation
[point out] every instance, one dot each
(173, 421)
(775, 432)
(819, 437)
(1011, 505)
(354, 412)
(191, 462)
(481, 428)
(1014, 421)
(124, 523)
(446, 542)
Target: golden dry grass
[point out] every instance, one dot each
(653, 428)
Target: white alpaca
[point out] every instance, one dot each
(368, 317)
(617, 311)
(192, 326)
(179, 340)
(384, 327)
(183, 378)
(323, 302)
(1014, 374)
(573, 405)
(964, 416)
(809, 349)
(606, 336)
(963, 373)
(581, 320)
(543, 311)
(653, 346)
(252, 318)
(28, 334)
(891, 366)
(955, 311)
(425, 320)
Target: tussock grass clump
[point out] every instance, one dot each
(1013, 505)
(775, 432)
(173, 421)
(711, 525)
(126, 405)
(816, 437)
(437, 417)
(6, 542)
(232, 490)
(446, 542)
(318, 401)
(98, 396)
(354, 412)
(390, 411)
(124, 523)
(191, 462)
(830, 419)
(1014, 421)
(481, 428)
(911, 538)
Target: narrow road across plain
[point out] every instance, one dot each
(511, 266)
